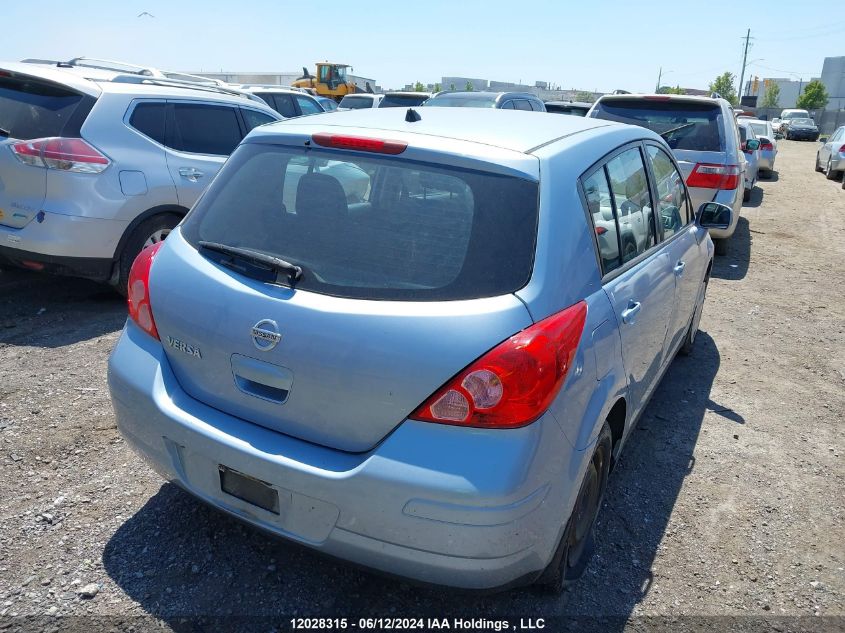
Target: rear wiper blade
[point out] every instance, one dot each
(5, 132)
(293, 272)
(675, 129)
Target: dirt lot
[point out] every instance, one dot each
(727, 502)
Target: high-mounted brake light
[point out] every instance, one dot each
(65, 154)
(709, 176)
(138, 290)
(360, 143)
(514, 383)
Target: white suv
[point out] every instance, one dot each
(95, 163)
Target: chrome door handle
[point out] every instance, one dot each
(630, 312)
(191, 173)
(679, 268)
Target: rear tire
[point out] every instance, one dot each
(746, 195)
(147, 233)
(577, 543)
(829, 172)
(720, 246)
(689, 338)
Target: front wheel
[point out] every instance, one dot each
(818, 166)
(147, 233)
(577, 544)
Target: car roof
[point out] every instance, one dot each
(663, 97)
(577, 104)
(95, 81)
(514, 130)
(474, 94)
(407, 93)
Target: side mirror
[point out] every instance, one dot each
(713, 215)
(823, 139)
(752, 145)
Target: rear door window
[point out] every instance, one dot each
(148, 119)
(522, 104)
(672, 202)
(285, 105)
(374, 227)
(31, 108)
(204, 129)
(356, 103)
(684, 125)
(254, 118)
(307, 106)
(632, 202)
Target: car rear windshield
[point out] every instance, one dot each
(356, 103)
(760, 129)
(398, 101)
(31, 108)
(462, 102)
(373, 227)
(685, 125)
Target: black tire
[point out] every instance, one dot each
(819, 168)
(692, 330)
(577, 543)
(154, 229)
(829, 172)
(746, 195)
(720, 246)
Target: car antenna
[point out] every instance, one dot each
(412, 116)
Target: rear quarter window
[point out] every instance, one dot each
(684, 125)
(148, 119)
(374, 227)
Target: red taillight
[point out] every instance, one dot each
(138, 290)
(66, 154)
(766, 146)
(514, 383)
(657, 98)
(708, 176)
(600, 230)
(360, 143)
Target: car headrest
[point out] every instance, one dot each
(320, 195)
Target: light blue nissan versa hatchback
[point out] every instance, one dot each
(416, 340)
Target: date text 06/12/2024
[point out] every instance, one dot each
(423, 624)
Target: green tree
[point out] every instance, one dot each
(469, 87)
(814, 97)
(586, 97)
(724, 85)
(418, 87)
(669, 90)
(771, 96)
(451, 86)
(437, 88)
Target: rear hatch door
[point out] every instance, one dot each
(31, 108)
(408, 275)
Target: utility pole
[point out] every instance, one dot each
(659, 75)
(744, 57)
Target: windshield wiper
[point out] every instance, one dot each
(5, 132)
(293, 272)
(675, 129)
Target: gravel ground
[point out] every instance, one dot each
(728, 500)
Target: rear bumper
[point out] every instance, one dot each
(767, 160)
(475, 509)
(56, 236)
(802, 136)
(87, 267)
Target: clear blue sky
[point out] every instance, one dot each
(599, 44)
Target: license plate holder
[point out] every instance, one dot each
(253, 491)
